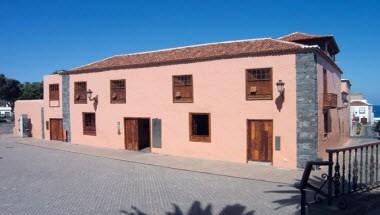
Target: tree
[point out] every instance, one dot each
(9, 90)
(32, 90)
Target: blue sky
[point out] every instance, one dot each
(39, 37)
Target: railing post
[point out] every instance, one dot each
(303, 202)
(329, 180)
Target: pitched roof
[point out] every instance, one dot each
(211, 51)
(358, 103)
(297, 36)
(302, 37)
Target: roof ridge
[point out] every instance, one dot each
(192, 46)
(176, 48)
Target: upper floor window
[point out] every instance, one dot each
(89, 124)
(54, 92)
(80, 92)
(259, 84)
(200, 129)
(118, 91)
(182, 88)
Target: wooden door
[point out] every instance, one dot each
(56, 129)
(131, 134)
(260, 140)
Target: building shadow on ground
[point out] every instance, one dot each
(295, 197)
(197, 209)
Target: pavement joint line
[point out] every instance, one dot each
(149, 164)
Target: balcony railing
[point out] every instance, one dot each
(330, 100)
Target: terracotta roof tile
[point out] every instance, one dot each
(210, 51)
(358, 103)
(297, 36)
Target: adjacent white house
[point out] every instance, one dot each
(361, 110)
(5, 110)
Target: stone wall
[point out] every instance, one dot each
(307, 108)
(66, 105)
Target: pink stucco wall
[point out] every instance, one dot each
(219, 89)
(32, 108)
(52, 110)
(339, 116)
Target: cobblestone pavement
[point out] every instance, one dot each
(254, 171)
(6, 128)
(35, 180)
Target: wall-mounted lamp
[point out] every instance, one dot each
(280, 87)
(89, 95)
(281, 98)
(94, 99)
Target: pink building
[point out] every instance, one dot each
(266, 100)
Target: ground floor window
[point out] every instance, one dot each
(200, 130)
(326, 122)
(89, 124)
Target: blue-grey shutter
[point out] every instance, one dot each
(156, 133)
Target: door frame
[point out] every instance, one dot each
(150, 129)
(248, 137)
(63, 138)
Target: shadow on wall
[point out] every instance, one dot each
(196, 209)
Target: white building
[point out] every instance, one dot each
(5, 110)
(361, 110)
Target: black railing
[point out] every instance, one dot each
(355, 168)
(305, 184)
(350, 169)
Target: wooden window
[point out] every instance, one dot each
(259, 84)
(183, 89)
(80, 92)
(54, 92)
(200, 129)
(117, 91)
(89, 124)
(326, 122)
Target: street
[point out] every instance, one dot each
(37, 180)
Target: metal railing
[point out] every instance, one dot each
(350, 170)
(355, 168)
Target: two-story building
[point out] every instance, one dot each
(266, 100)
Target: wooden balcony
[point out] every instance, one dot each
(330, 100)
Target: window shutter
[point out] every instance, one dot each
(259, 84)
(183, 88)
(118, 91)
